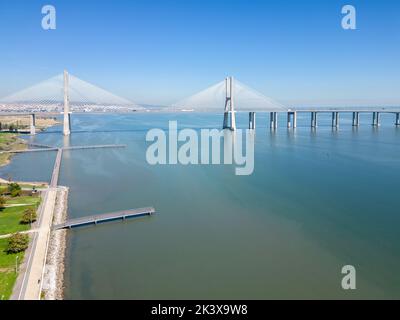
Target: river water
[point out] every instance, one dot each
(317, 201)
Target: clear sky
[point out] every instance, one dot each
(159, 51)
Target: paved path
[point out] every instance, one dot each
(18, 205)
(30, 285)
(7, 235)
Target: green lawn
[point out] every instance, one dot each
(7, 270)
(10, 223)
(10, 217)
(24, 200)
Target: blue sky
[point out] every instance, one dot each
(158, 52)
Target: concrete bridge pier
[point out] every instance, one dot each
(314, 120)
(397, 119)
(229, 120)
(33, 124)
(335, 119)
(289, 123)
(252, 120)
(376, 119)
(273, 120)
(356, 119)
(294, 119)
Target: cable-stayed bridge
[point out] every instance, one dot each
(66, 93)
(49, 95)
(214, 97)
(237, 97)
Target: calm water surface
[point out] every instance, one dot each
(317, 200)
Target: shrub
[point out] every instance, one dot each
(2, 201)
(14, 189)
(18, 242)
(28, 215)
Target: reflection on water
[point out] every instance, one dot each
(317, 200)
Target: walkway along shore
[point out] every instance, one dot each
(42, 271)
(27, 286)
(53, 280)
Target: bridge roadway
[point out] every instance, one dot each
(106, 217)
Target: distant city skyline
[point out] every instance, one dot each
(158, 52)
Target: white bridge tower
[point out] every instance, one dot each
(67, 125)
(229, 113)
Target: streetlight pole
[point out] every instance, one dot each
(16, 264)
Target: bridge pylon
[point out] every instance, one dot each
(229, 113)
(66, 123)
(32, 124)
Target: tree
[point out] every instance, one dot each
(14, 189)
(18, 242)
(28, 216)
(2, 201)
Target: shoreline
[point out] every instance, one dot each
(18, 144)
(53, 278)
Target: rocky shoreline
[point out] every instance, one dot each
(53, 280)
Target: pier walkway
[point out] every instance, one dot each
(103, 146)
(29, 150)
(56, 169)
(106, 217)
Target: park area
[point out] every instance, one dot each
(18, 211)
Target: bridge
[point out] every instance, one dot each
(64, 94)
(237, 97)
(106, 217)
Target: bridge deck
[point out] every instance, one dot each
(106, 217)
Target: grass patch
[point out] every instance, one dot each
(10, 217)
(7, 270)
(24, 200)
